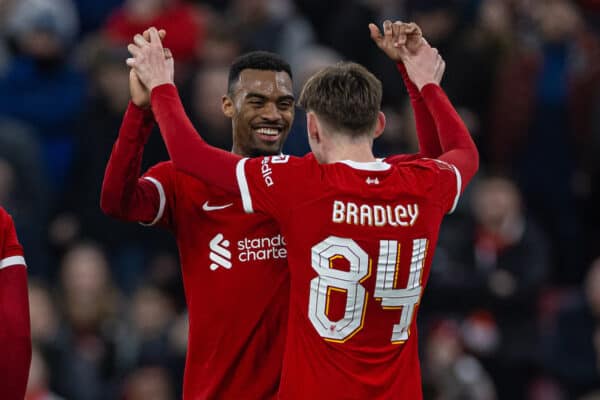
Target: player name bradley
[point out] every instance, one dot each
(347, 212)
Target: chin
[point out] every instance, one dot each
(265, 151)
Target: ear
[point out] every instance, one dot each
(312, 127)
(380, 126)
(227, 106)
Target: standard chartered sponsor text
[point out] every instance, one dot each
(262, 248)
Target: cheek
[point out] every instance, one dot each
(288, 116)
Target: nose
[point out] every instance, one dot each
(271, 112)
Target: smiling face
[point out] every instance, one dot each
(261, 108)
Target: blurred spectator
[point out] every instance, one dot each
(270, 25)
(86, 366)
(183, 23)
(39, 86)
(222, 44)
(541, 107)
(38, 383)
(572, 344)
(45, 322)
(147, 340)
(79, 215)
(449, 373)
(208, 87)
(148, 383)
(93, 13)
(497, 262)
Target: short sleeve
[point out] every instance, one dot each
(271, 184)
(11, 252)
(163, 177)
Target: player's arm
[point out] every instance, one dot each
(15, 331)
(456, 143)
(189, 153)
(397, 39)
(124, 194)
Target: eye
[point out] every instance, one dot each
(256, 103)
(284, 105)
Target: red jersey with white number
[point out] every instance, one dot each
(236, 285)
(360, 243)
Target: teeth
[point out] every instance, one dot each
(268, 131)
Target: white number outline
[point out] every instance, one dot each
(328, 280)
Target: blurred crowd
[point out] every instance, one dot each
(512, 308)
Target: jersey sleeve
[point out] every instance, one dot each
(163, 179)
(446, 183)
(124, 195)
(271, 184)
(15, 332)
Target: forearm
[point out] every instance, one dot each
(124, 195)
(455, 141)
(15, 333)
(427, 134)
(189, 153)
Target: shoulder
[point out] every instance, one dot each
(169, 180)
(282, 162)
(432, 164)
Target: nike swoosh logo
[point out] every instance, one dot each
(206, 207)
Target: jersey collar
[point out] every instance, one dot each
(378, 165)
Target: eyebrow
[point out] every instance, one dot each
(263, 97)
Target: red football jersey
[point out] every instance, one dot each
(236, 285)
(11, 252)
(360, 240)
(15, 337)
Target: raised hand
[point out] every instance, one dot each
(152, 63)
(424, 65)
(140, 95)
(398, 40)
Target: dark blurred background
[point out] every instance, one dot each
(512, 309)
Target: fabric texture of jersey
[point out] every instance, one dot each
(360, 244)
(236, 285)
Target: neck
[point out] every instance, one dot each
(340, 148)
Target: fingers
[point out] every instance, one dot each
(414, 28)
(139, 40)
(168, 53)
(375, 34)
(387, 29)
(161, 34)
(399, 33)
(154, 37)
(133, 49)
(130, 62)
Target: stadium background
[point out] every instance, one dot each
(512, 309)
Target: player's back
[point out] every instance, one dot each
(360, 242)
(236, 284)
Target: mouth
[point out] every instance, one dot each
(268, 134)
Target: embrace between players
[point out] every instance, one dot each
(336, 319)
